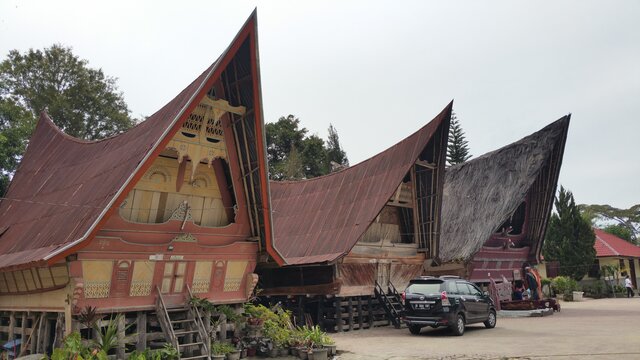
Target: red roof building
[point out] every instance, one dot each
(612, 250)
(608, 245)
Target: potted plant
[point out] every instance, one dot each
(219, 350)
(316, 339)
(328, 343)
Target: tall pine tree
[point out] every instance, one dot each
(334, 151)
(458, 146)
(569, 238)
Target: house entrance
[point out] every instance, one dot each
(632, 273)
(173, 277)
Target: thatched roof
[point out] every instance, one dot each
(481, 194)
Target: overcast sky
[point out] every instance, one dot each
(379, 70)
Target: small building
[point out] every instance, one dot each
(612, 250)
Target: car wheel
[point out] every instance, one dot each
(458, 326)
(415, 329)
(490, 323)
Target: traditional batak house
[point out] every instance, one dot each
(496, 207)
(343, 237)
(134, 223)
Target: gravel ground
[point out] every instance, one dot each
(592, 329)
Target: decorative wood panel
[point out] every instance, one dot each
(142, 278)
(202, 277)
(234, 275)
(155, 199)
(97, 278)
(34, 279)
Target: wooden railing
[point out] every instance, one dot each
(387, 304)
(165, 320)
(202, 330)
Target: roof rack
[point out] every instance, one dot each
(444, 277)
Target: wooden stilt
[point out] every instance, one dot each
(360, 313)
(120, 350)
(40, 337)
(23, 327)
(338, 313)
(33, 338)
(141, 327)
(46, 339)
(12, 325)
(57, 341)
(223, 327)
(370, 306)
(301, 321)
(350, 302)
(320, 316)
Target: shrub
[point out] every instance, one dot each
(564, 285)
(221, 348)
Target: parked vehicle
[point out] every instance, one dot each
(446, 301)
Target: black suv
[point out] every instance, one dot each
(446, 301)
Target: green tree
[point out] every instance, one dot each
(620, 231)
(15, 126)
(569, 238)
(314, 157)
(334, 150)
(292, 154)
(627, 218)
(457, 146)
(293, 166)
(82, 101)
(282, 136)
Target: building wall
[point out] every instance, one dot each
(615, 261)
(44, 301)
(184, 225)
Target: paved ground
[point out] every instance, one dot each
(593, 329)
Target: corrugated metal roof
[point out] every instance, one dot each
(610, 245)
(321, 219)
(64, 186)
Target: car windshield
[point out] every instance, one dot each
(424, 288)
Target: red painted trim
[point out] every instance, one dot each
(247, 30)
(271, 250)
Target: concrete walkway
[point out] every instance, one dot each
(592, 329)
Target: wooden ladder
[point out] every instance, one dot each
(184, 329)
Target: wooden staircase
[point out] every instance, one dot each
(391, 303)
(184, 329)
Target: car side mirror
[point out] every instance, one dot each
(485, 293)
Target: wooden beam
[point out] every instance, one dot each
(12, 325)
(322, 289)
(221, 104)
(141, 329)
(360, 313)
(426, 164)
(120, 350)
(338, 307)
(350, 301)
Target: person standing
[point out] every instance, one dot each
(533, 283)
(629, 286)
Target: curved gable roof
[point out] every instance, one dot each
(64, 186)
(482, 193)
(321, 219)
